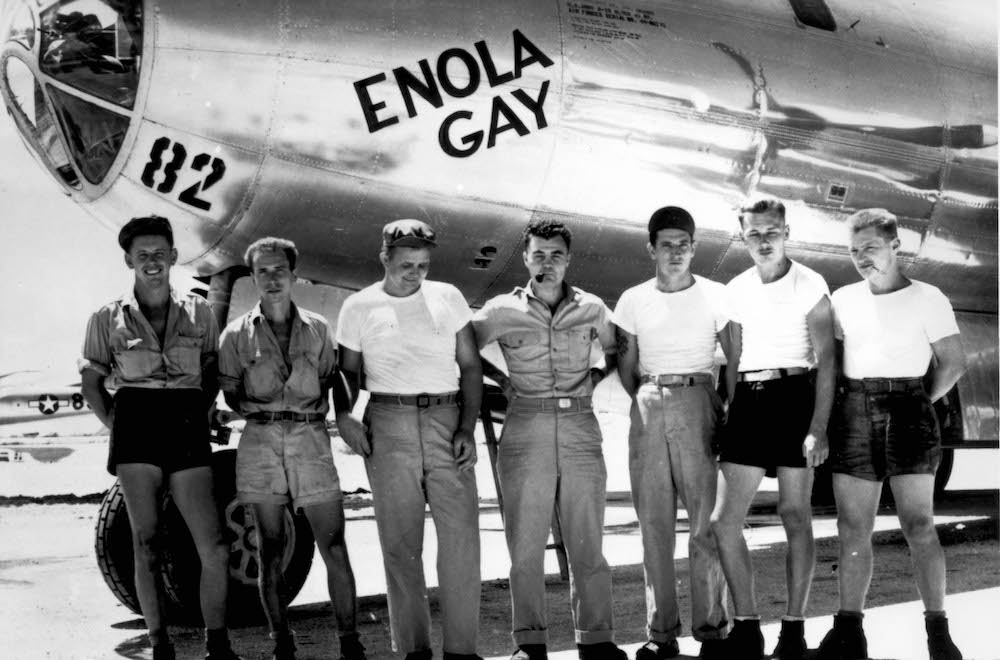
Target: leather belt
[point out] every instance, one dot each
(266, 416)
(873, 385)
(771, 374)
(418, 400)
(678, 380)
(554, 404)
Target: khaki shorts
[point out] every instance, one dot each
(280, 462)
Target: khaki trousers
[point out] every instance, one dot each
(670, 455)
(412, 464)
(551, 457)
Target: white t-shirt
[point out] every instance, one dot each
(773, 317)
(890, 335)
(408, 344)
(676, 332)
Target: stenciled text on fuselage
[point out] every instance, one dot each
(432, 84)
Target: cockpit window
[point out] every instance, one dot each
(22, 27)
(94, 134)
(37, 120)
(94, 46)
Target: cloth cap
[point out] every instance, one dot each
(671, 217)
(152, 225)
(408, 233)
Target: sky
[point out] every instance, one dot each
(57, 265)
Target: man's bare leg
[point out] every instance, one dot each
(795, 509)
(857, 504)
(142, 486)
(327, 522)
(737, 486)
(270, 520)
(914, 495)
(192, 492)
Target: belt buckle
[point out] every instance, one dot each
(423, 400)
(565, 403)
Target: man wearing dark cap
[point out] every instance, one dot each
(668, 330)
(551, 452)
(157, 350)
(413, 340)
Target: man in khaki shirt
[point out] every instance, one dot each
(157, 350)
(275, 367)
(550, 448)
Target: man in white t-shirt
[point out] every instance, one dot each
(668, 329)
(884, 426)
(415, 342)
(782, 331)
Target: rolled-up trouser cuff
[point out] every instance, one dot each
(704, 634)
(522, 637)
(594, 636)
(661, 636)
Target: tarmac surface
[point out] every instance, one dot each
(54, 603)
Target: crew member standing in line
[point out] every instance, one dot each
(668, 329)
(276, 363)
(884, 426)
(782, 331)
(550, 448)
(414, 341)
(157, 350)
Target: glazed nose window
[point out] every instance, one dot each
(35, 121)
(94, 135)
(22, 26)
(94, 46)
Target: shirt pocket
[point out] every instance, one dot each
(572, 348)
(134, 359)
(261, 374)
(306, 367)
(183, 356)
(525, 350)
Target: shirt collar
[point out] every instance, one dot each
(570, 293)
(257, 314)
(129, 299)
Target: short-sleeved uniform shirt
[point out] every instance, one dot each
(676, 332)
(249, 356)
(278, 461)
(121, 345)
(407, 343)
(548, 353)
(773, 317)
(890, 335)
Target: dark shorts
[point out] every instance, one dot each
(166, 428)
(875, 435)
(767, 423)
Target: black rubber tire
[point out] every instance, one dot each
(181, 566)
(113, 547)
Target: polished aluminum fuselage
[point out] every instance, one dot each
(631, 106)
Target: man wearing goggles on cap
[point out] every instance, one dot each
(412, 341)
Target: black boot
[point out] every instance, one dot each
(351, 647)
(601, 651)
(658, 650)
(284, 645)
(164, 651)
(422, 654)
(530, 652)
(939, 643)
(461, 656)
(217, 645)
(745, 641)
(791, 641)
(845, 641)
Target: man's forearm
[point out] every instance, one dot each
(470, 384)
(100, 402)
(825, 383)
(344, 387)
(944, 379)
